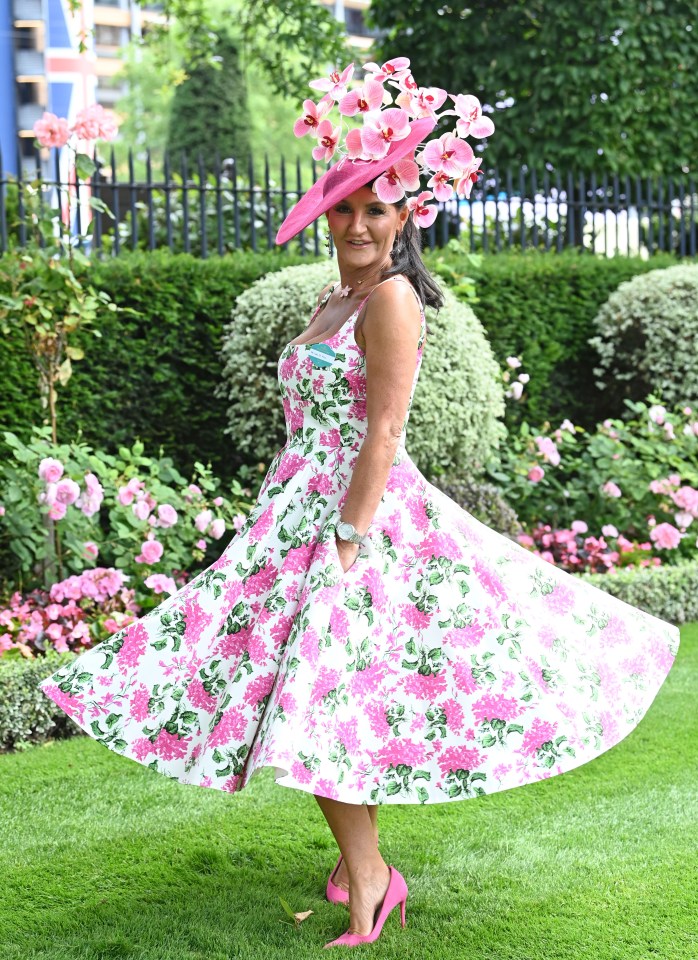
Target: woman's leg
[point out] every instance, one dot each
(341, 878)
(352, 827)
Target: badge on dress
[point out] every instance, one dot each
(321, 354)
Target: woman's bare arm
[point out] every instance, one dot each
(391, 331)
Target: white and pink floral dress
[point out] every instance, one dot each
(447, 662)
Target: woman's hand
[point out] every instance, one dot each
(347, 551)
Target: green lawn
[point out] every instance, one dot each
(102, 858)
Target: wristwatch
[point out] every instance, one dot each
(347, 531)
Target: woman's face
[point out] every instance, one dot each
(363, 228)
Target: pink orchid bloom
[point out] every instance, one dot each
(382, 129)
(471, 122)
(365, 99)
(392, 185)
(468, 178)
(314, 112)
(352, 141)
(407, 83)
(423, 103)
(328, 138)
(448, 155)
(393, 69)
(336, 83)
(441, 184)
(52, 131)
(424, 213)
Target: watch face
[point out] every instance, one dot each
(345, 530)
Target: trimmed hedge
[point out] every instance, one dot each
(150, 376)
(27, 715)
(541, 307)
(670, 593)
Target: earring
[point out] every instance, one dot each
(397, 243)
(328, 243)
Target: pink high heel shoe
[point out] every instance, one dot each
(396, 893)
(334, 893)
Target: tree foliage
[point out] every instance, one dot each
(209, 110)
(607, 87)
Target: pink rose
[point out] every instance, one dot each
(90, 548)
(167, 515)
(57, 510)
(202, 520)
(159, 583)
(141, 509)
(536, 474)
(217, 528)
(50, 470)
(67, 491)
(665, 536)
(52, 131)
(151, 551)
(611, 489)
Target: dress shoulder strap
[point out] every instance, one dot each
(397, 276)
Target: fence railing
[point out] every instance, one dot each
(213, 207)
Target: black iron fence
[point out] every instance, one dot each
(213, 207)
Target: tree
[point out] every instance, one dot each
(606, 87)
(209, 110)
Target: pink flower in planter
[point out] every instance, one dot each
(611, 489)
(686, 498)
(657, 414)
(52, 131)
(423, 212)
(392, 185)
(201, 544)
(67, 491)
(579, 526)
(609, 530)
(151, 551)
(90, 548)
(313, 115)
(50, 470)
(536, 474)
(665, 536)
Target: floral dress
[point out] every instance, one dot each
(447, 662)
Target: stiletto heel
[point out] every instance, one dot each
(334, 893)
(396, 893)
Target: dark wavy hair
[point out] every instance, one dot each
(407, 260)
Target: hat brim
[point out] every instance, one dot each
(347, 176)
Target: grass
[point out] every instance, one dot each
(102, 858)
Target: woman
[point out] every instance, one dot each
(362, 634)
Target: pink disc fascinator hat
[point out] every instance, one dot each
(390, 117)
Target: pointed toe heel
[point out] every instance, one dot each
(396, 893)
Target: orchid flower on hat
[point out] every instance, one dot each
(386, 118)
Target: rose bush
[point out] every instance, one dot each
(63, 507)
(638, 476)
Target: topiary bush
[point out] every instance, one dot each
(454, 421)
(483, 500)
(647, 338)
(27, 715)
